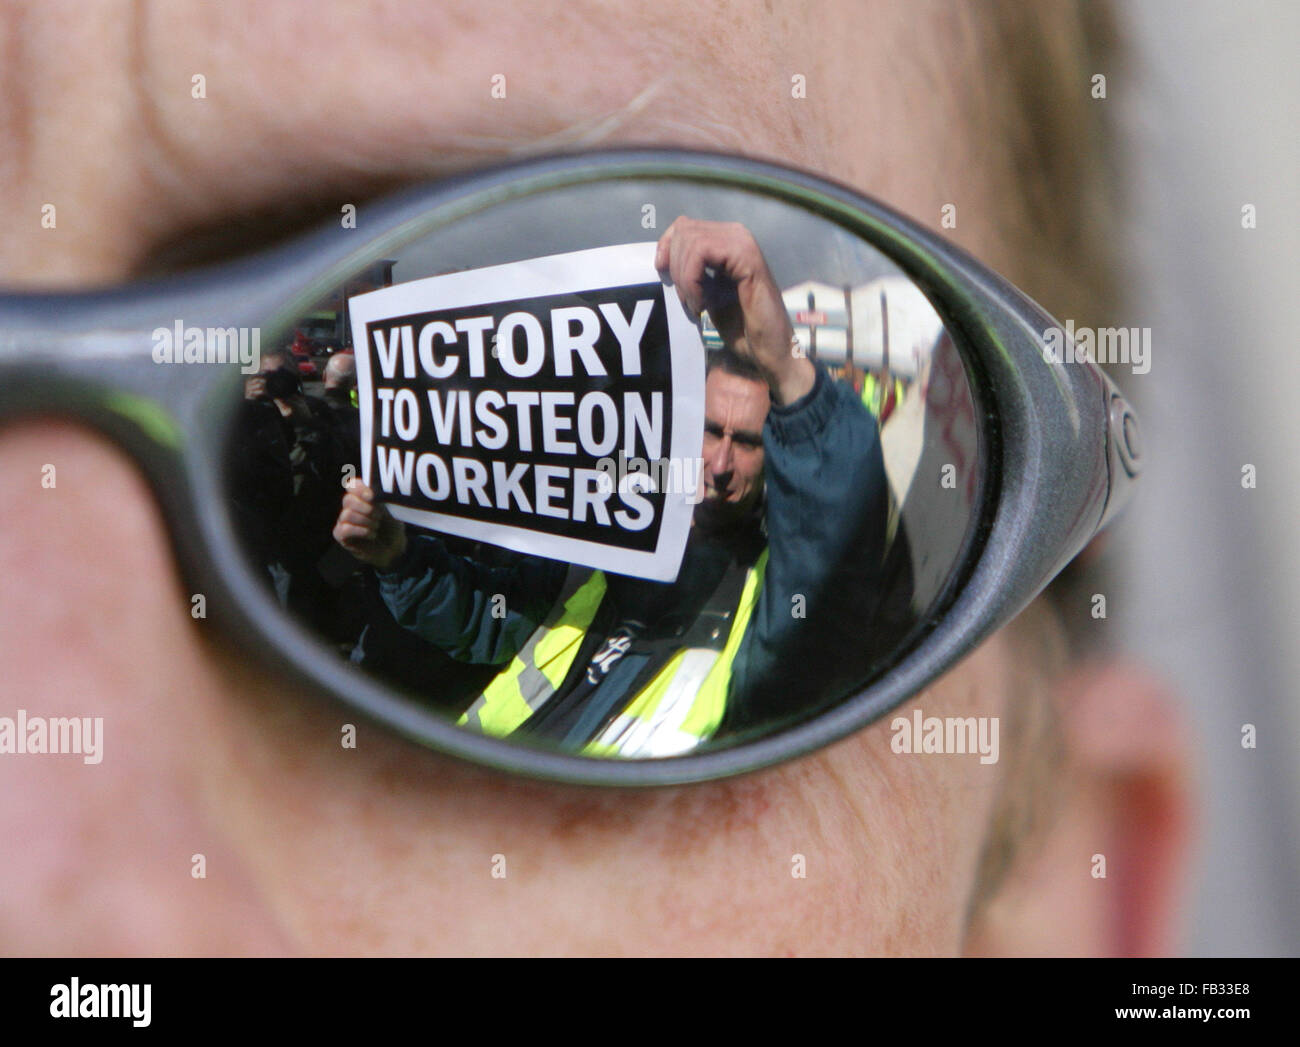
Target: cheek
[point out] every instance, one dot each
(103, 632)
(918, 821)
(310, 846)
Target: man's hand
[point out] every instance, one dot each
(366, 530)
(741, 298)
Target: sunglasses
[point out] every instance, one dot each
(633, 467)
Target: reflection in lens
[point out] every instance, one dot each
(832, 484)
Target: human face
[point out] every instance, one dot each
(310, 846)
(734, 411)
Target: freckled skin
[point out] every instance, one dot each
(310, 847)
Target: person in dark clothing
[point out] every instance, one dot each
(403, 658)
(340, 386)
(288, 463)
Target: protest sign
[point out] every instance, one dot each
(540, 406)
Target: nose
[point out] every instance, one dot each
(720, 462)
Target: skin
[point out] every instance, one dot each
(314, 848)
(735, 409)
(341, 372)
(756, 324)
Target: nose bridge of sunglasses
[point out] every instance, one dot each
(139, 361)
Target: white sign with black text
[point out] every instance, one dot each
(494, 400)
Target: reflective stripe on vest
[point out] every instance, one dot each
(543, 662)
(684, 704)
(872, 398)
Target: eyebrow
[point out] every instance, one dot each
(742, 435)
(233, 234)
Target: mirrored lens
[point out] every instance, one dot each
(638, 469)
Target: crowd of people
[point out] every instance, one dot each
(290, 451)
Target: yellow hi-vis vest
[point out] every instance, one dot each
(678, 709)
(873, 393)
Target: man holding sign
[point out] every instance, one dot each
(494, 400)
(789, 525)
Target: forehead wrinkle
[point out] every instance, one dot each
(279, 128)
(413, 99)
(16, 123)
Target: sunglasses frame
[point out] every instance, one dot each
(1057, 440)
